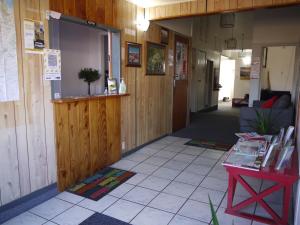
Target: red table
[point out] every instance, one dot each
(283, 179)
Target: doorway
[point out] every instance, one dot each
(227, 77)
(180, 87)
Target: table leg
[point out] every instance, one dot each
(231, 189)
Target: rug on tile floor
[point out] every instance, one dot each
(98, 185)
(209, 144)
(100, 219)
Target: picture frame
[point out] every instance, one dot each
(164, 36)
(245, 73)
(156, 59)
(134, 54)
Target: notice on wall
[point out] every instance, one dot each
(9, 81)
(52, 64)
(255, 68)
(34, 36)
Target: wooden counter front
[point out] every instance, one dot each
(88, 136)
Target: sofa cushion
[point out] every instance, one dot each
(269, 103)
(283, 102)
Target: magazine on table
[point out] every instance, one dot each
(284, 157)
(250, 147)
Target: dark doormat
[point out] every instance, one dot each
(100, 219)
(209, 144)
(98, 185)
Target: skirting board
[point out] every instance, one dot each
(27, 202)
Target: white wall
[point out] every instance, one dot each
(85, 46)
(280, 68)
(227, 78)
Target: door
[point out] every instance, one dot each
(209, 83)
(180, 87)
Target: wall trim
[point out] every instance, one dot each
(27, 202)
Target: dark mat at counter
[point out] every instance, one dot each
(209, 145)
(100, 219)
(100, 184)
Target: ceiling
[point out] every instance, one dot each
(152, 3)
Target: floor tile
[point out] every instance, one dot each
(123, 210)
(260, 211)
(157, 161)
(205, 161)
(196, 210)
(73, 216)
(179, 189)
(155, 183)
(227, 219)
(212, 154)
(180, 220)
(174, 148)
(176, 165)
(148, 151)
(166, 173)
(121, 190)
(166, 154)
(193, 151)
(157, 146)
(145, 168)
(69, 197)
(150, 216)
(137, 157)
(215, 184)
(166, 202)
(189, 178)
(140, 195)
(201, 194)
(137, 178)
(184, 158)
(124, 164)
(26, 219)
(100, 205)
(198, 169)
(49, 223)
(51, 208)
(219, 173)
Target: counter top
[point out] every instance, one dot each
(86, 98)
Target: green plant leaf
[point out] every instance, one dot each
(213, 213)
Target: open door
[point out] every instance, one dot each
(180, 88)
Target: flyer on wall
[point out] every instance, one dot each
(34, 36)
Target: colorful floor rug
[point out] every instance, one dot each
(97, 186)
(209, 144)
(100, 219)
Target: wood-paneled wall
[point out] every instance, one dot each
(200, 7)
(87, 137)
(27, 147)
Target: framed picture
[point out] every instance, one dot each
(156, 59)
(164, 36)
(245, 73)
(134, 54)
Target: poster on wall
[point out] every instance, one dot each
(181, 61)
(255, 68)
(9, 80)
(34, 36)
(52, 64)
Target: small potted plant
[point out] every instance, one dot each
(89, 75)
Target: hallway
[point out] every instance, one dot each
(219, 126)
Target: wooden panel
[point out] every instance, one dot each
(87, 137)
(284, 2)
(245, 4)
(113, 123)
(262, 3)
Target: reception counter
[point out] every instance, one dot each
(88, 136)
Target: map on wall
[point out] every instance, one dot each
(9, 84)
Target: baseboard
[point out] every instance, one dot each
(27, 202)
(141, 146)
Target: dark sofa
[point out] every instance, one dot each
(281, 114)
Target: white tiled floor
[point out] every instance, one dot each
(171, 187)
